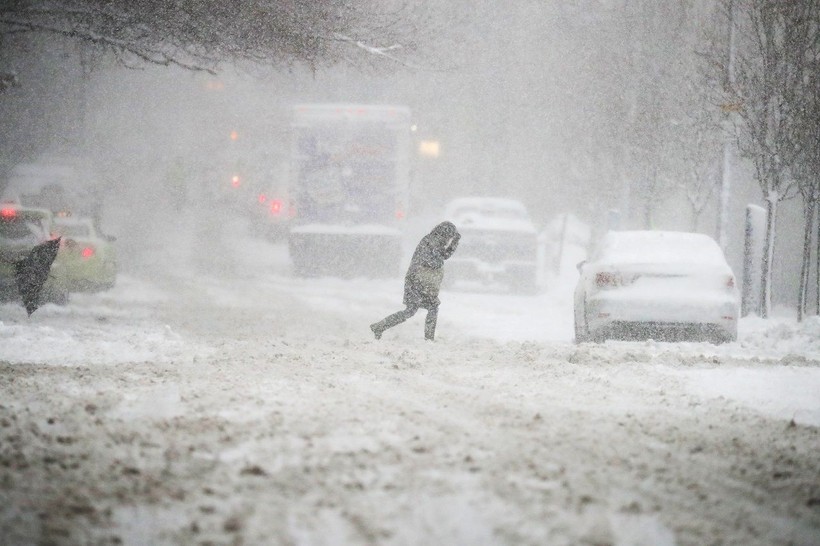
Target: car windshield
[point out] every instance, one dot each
(661, 248)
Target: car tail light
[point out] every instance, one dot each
(236, 181)
(262, 198)
(275, 206)
(399, 214)
(8, 213)
(87, 252)
(607, 279)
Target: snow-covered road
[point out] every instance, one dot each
(204, 402)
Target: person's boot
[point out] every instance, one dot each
(377, 329)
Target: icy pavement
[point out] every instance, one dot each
(239, 405)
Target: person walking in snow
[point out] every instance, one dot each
(423, 279)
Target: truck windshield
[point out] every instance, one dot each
(346, 172)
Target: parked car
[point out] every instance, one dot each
(21, 229)
(90, 258)
(662, 285)
(498, 244)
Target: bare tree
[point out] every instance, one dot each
(771, 40)
(809, 187)
(807, 166)
(625, 120)
(203, 34)
(698, 146)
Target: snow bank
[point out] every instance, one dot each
(788, 393)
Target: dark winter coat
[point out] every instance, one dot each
(423, 279)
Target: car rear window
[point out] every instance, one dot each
(661, 247)
(22, 228)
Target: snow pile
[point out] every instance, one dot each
(781, 336)
(110, 328)
(238, 404)
(787, 393)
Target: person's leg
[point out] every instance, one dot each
(392, 320)
(430, 323)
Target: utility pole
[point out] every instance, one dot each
(726, 167)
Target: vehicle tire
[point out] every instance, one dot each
(57, 297)
(301, 264)
(726, 338)
(8, 295)
(580, 336)
(303, 269)
(108, 285)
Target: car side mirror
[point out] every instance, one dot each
(580, 265)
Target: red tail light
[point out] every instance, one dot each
(87, 252)
(8, 213)
(275, 206)
(235, 181)
(607, 280)
(399, 214)
(262, 198)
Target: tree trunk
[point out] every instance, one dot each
(817, 269)
(768, 255)
(805, 269)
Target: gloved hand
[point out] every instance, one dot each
(452, 244)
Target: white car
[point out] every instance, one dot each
(498, 243)
(661, 285)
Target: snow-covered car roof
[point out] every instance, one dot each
(491, 213)
(661, 247)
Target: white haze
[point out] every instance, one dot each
(211, 397)
(521, 99)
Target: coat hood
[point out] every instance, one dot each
(444, 230)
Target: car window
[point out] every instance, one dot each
(22, 228)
